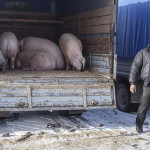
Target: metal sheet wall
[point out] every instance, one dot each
(133, 29)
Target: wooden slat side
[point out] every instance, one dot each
(95, 40)
(22, 14)
(89, 14)
(95, 29)
(89, 22)
(30, 21)
(97, 49)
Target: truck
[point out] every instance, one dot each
(94, 22)
(133, 34)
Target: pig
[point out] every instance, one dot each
(2, 61)
(72, 48)
(37, 43)
(36, 60)
(9, 46)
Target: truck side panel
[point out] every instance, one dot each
(53, 97)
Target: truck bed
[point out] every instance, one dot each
(54, 90)
(54, 77)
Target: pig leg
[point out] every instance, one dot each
(12, 60)
(18, 64)
(67, 64)
(73, 68)
(4, 65)
(7, 64)
(28, 69)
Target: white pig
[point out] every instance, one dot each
(10, 47)
(72, 49)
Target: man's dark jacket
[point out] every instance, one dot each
(141, 65)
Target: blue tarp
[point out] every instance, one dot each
(133, 27)
(127, 2)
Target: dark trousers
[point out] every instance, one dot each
(145, 103)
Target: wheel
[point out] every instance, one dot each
(123, 98)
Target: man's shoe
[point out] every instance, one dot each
(139, 125)
(139, 129)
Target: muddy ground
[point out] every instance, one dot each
(104, 129)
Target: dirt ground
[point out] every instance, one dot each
(104, 129)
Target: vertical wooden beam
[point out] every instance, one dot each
(84, 91)
(29, 97)
(112, 37)
(78, 18)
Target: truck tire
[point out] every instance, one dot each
(123, 97)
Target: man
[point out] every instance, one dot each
(141, 65)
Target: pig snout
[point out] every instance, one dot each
(83, 64)
(77, 64)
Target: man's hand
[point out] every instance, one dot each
(133, 88)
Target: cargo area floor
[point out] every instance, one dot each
(57, 76)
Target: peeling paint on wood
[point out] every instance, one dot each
(63, 92)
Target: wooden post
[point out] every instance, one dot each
(78, 18)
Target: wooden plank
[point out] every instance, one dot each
(69, 18)
(30, 21)
(28, 14)
(27, 31)
(103, 64)
(70, 25)
(96, 40)
(20, 35)
(49, 101)
(12, 100)
(95, 21)
(89, 22)
(62, 31)
(95, 29)
(96, 12)
(98, 49)
(26, 26)
(89, 14)
(56, 92)
(91, 4)
(89, 30)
